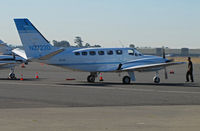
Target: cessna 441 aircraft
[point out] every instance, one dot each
(93, 60)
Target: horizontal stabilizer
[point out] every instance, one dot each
(20, 53)
(51, 54)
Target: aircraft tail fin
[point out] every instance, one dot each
(34, 43)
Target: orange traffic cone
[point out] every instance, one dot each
(37, 77)
(100, 78)
(22, 65)
(21, 77)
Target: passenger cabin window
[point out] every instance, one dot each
(118, 52)
(109, 52)
(77, 53)
(131, 52)
(101, 52)
(92, 53)
(84, 53)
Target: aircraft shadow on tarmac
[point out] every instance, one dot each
(81, 83)
(18, 79)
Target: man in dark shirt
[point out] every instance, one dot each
(189, 71)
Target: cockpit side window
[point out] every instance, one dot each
(131, 52)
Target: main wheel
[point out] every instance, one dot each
(12, 76)
(91, 78)
(126, 80)
(156, 79)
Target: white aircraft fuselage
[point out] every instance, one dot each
(101, 59)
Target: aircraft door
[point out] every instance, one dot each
(119, 55)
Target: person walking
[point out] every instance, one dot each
(189, 71)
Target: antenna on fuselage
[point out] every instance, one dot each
(164, 57)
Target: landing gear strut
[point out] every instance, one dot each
(91, 77)
(156, 78)
(12, 74)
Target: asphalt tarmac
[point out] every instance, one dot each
(142, 105)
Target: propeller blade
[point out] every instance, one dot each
(163, 51)
(166, 75)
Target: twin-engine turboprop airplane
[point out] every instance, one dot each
(93, 60)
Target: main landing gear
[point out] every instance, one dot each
(91, 77)
(129, 78)
(126, 80)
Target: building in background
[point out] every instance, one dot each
(184, 51)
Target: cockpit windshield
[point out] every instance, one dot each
(134, 52)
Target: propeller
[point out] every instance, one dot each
(163, 52)
(164, 57)
(166, 74)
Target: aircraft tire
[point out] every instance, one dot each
(91, 78)
(12, 76)
(126, 80)
(156, 79)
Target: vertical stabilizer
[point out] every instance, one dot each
(34, 43)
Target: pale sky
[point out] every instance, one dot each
(110, 23)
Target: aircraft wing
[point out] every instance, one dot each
(149, 66)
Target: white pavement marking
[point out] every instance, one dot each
(107, 88)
